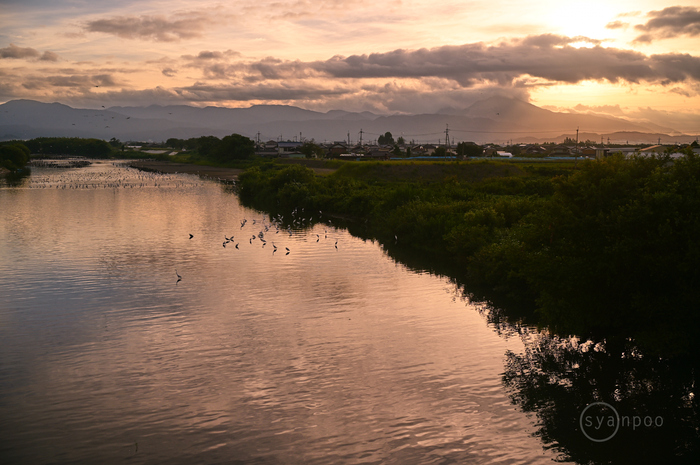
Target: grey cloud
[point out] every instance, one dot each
(675, 21)
(14, 51)
(301, 91)
(49, 56)
(169, 72)
(207, 55)
(505, 63)
(530, 62)
(78, 81)
(157, 28)
(553, 40)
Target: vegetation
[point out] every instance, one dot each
(94, 148)
(229, 151)
(13, 156)
(386, 139)
(469, 149)
(312, 150)
(608, 251)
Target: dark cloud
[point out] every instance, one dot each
(157, 28)
(675, 21)
(14, 51)
(546, 58)
(169, 72)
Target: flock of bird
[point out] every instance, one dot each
(267, 230)
(264, 232)
(86, 178)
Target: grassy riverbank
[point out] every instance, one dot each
(605, 251)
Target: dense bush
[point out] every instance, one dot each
(609, 251)
(13, 156)
(93, 148)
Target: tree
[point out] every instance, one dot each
(440, 152)
(401, 140)
(14, 156)
(386, 139)
(206, 145)
(234, 147)
(312, 150)
(469, 149)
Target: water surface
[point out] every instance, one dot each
(331, 353)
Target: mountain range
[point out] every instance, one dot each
(496, 119)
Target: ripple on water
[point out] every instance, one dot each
(323, 355)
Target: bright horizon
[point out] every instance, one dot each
(631, 59)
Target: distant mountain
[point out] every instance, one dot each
(496, 119)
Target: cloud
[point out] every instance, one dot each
(157, 28)
(614, 110)
(15, 52)
(617, 25)
(78, 81)
(675, 21)
(49, 56)
(545, 58)
(266, 91)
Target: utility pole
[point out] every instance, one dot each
(576, 154)
(447, 139)
(360, 137)
(348, 138)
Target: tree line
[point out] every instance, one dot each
(228, 149)
(607, 252)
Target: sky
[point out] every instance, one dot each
(627, 58)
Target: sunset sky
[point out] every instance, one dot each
(622, 57)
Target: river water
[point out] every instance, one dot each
(329, 352)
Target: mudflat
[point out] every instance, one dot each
(212, 172)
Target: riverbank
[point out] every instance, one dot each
(211, 172)
(604, 252)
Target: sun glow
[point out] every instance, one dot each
(581, 18)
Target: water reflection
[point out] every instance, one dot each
(325, 355)
(595, 403)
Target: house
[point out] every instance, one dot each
(336, 150)
(378, 154)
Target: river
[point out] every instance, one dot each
(311, 347)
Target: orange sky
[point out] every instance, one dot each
(627, 58)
